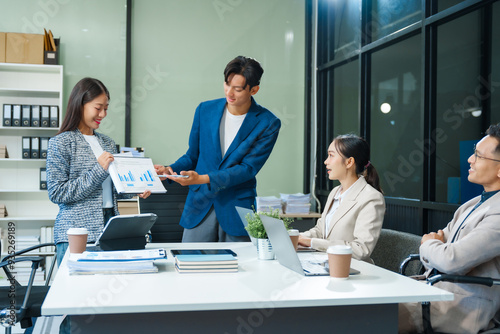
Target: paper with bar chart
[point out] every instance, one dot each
(133, 175)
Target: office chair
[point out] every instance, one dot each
(21, 303)
(393, 247)
(431, 280)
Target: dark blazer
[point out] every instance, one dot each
(232, 177)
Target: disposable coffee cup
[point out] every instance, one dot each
(294, 236)
(339, 261)
(77, 238)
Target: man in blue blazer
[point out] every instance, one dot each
(231, 139)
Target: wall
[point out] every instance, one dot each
(179, 51)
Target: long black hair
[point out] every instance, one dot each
(84, 91)
(356, 147)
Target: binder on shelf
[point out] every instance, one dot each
(35, 148)
(44, 144)
(43, 178)
(7, 115)
(26, 115)
(54, 116)
(26, 147)
(35, 116)
(16, 115)
(45, 117)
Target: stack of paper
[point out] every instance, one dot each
(206, 263)
(296, 203)
(3, 152)
(116, 262)
(133, 151)
(269, 204)
(22, 272)
(23, 242)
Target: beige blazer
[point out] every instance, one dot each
(356, 222)
(475, 252)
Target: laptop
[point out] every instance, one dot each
(286, 254)
(242, 212)
(126, 232)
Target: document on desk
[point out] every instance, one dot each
(134, 175)
(127, 255)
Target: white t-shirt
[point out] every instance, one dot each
(107, 192)
(229, 126)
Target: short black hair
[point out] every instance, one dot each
(249, 68)
(494, 131)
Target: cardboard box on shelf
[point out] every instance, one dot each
(128, 207)
(2, 47)
(24, 48)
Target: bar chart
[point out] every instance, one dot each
(134, 175)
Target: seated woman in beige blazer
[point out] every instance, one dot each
(354, 211)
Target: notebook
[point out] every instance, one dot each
(126, 232)
(285, 252)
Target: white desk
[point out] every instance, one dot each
(263, 297)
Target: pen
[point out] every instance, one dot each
(183, 176)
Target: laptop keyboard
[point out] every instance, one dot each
(313, 267)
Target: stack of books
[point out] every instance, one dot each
(3, 152)
(296, 203)
(205, 263)
(115, 262)
(268, 204)
(3, 210)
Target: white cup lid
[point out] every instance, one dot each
(339, 249)
(77, 231)
(293, 232)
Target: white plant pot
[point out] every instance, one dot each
(265, 249)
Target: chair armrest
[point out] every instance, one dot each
(488, 281)
(5, 264)
(404, 264)
(26, 250)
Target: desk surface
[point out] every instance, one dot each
(259, 283)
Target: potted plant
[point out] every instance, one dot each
(257, 230)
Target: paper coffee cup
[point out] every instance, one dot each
(77, 238)
(294, 236)
(339, 261)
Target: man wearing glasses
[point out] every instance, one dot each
(469, 245)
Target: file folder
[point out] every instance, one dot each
(7, 115)
(35, 147)
(44, 144)
(26, 147)
(54, 116)
(43, 178)
(45, 117)
(16, 115)
(35, 116)
(26, 115)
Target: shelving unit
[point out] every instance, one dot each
(27, 206)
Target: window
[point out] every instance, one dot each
(389, 16)
(458, 102)
(396, 119)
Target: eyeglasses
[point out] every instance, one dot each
(476, 156)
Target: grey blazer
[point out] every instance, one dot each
(475, 252)
(356, 223)
(74, 182)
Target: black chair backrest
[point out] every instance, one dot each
(393, 247)
(168, 207)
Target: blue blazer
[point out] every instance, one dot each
(232, 177)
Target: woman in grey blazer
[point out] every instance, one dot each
(77, 166)
(354, 211)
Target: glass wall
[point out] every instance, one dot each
(396, 118)
(343, 33)
(388, 16)
(458, 102)
(495, 67)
